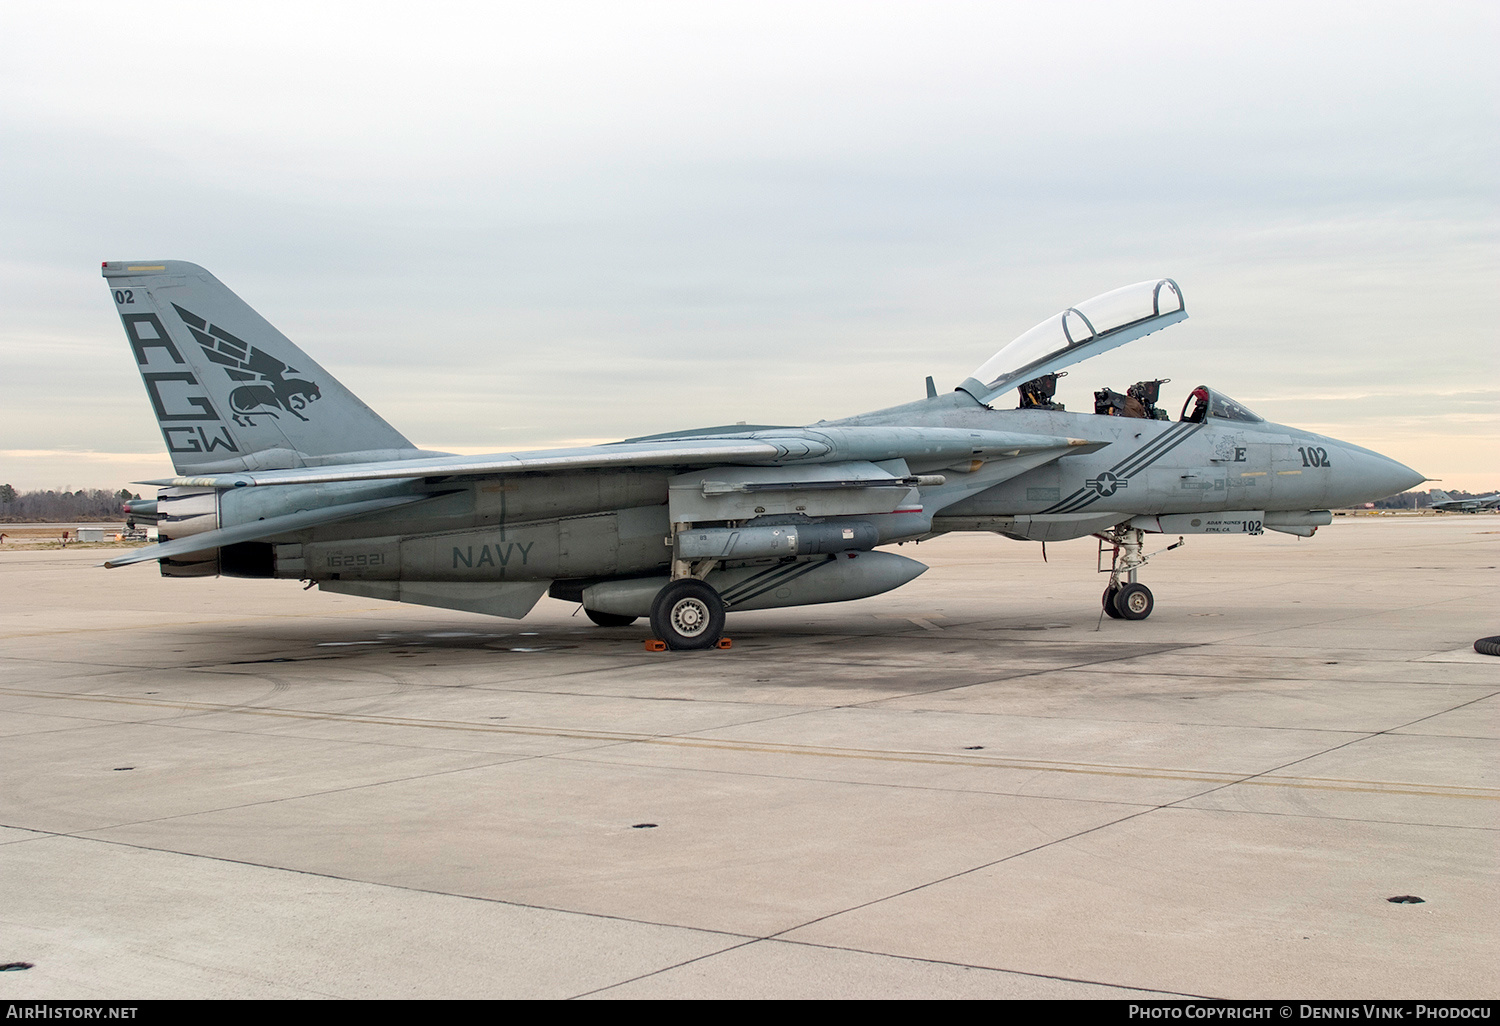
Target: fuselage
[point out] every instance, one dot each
(614, 522)
(1157, 466)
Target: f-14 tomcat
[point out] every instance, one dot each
(285, 473)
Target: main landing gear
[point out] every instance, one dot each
(1126, 598)
(688, 614)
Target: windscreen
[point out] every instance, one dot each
(1225, 408)
(1205, 402)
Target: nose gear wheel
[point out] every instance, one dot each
(1109, 602)
(1133, 602)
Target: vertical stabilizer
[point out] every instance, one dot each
(230, 391)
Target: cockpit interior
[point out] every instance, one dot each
(1204, 402)
(1140, 401)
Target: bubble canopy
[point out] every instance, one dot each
(1093, 326)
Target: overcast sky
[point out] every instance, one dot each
(525, 225)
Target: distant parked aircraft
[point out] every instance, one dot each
(1441, 500)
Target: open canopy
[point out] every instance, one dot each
(1094, 326)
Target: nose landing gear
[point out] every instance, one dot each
(1133, 602)
(1126, 598)
(1130, 602)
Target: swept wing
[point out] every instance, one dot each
(929, 447)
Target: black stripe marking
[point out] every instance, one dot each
(749, 582)
(1144, 451)
(1148, 453)
(1128, 467)
(801, 570)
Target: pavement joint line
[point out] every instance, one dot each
(1329, 817)
(578, 756)
(157, 625)
(1210, 724)
(581, 756)
(87, 723)
(1141, 673)
(966, 872)
(774, 939)
(747, 939)
(383, 884)
(1257, 777)
(1442, 712)
(990, 968)
(1176, 805)
(1196, 673)
(1267, 778)
(666, 969)
(1000, 680)
(87, 832)
(588, 756)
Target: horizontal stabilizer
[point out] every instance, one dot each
(257, 529)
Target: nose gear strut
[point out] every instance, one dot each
(1126, 598)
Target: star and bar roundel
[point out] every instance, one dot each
(1117, 477)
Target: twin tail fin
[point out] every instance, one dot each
(230, 392)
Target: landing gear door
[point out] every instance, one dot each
(1244, 521)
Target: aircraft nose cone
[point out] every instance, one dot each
(1373, 476)
(1394, 477)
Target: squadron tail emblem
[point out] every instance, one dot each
(267, 388)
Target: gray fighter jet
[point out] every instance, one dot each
(1441, 500)
(285, 473)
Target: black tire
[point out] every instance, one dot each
(1109, 602)
(1134, 602)
(609, 619)
(1488, 646)
(688, 614)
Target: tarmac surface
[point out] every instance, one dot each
(970, 787)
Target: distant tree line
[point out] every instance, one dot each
(55, 507)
